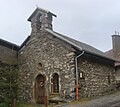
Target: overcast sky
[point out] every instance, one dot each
(90, 21)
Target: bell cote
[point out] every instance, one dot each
(41, 19)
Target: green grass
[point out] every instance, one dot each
(80, 101)
(25, 105)
(29, 105)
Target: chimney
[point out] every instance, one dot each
(116, 45)
(41, 19)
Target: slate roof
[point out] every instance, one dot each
(81, 46)
(110, 54)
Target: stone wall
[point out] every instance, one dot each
(98, 78)
(117, 73)
(8, 55)
(45, 54)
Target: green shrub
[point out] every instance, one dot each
(3, 104)
(8, 84)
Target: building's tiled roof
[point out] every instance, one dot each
(80, 45)
(110, 54)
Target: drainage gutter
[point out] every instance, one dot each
(76, 63)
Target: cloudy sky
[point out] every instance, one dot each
(90, 21)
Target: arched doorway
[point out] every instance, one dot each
(55, 83)
(40, 89)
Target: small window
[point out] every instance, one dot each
(109, 80)
(40, 66)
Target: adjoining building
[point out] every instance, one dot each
(115, 53)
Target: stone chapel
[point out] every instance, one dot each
(52, 64)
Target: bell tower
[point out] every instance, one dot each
(41, 19)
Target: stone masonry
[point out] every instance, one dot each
(8, 55)
(45, 54)
(55, 57)
(98, 78)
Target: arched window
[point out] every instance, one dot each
(55, 83)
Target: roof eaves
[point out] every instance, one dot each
(9, 44)
(112, 59)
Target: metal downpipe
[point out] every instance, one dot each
(76, 63)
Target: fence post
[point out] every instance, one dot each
(14, 102)
(46, 101)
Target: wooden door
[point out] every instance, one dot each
(40, 89)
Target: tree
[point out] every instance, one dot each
(8, 83)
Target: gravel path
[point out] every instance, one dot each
(105, 101)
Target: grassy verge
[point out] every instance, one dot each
(80, 101)
(29, 105)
